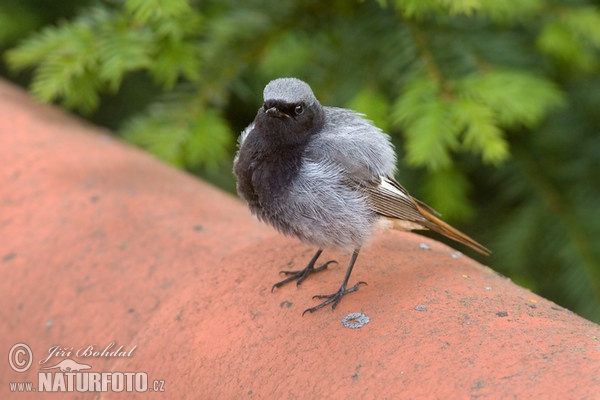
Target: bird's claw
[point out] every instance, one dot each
(300, 275)
(334, 298)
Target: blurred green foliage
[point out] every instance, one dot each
(493, 105)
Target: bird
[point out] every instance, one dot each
(325, 175)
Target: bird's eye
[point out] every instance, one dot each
(265, 106)
(299, 109)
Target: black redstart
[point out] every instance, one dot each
(326, 176)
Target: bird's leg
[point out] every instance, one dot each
(335, 298)
(300, 275)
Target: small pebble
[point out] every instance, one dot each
(424, 246)
(421, 307)
(355, 320)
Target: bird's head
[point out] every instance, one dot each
(290, 111)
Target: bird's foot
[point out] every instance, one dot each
(334, 298)
(300, 275)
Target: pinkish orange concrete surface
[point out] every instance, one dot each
(101, 243)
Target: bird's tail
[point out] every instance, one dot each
(441, 227)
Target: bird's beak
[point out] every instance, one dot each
(274, 112)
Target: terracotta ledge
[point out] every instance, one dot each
(101, 243)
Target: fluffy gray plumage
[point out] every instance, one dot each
(328, 199)
(327, 202)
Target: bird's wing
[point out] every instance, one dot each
(389, 199)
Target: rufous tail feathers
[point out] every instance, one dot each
(439, 226)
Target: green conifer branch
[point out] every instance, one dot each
(560, 208)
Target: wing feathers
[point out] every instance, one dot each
(389, 199)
